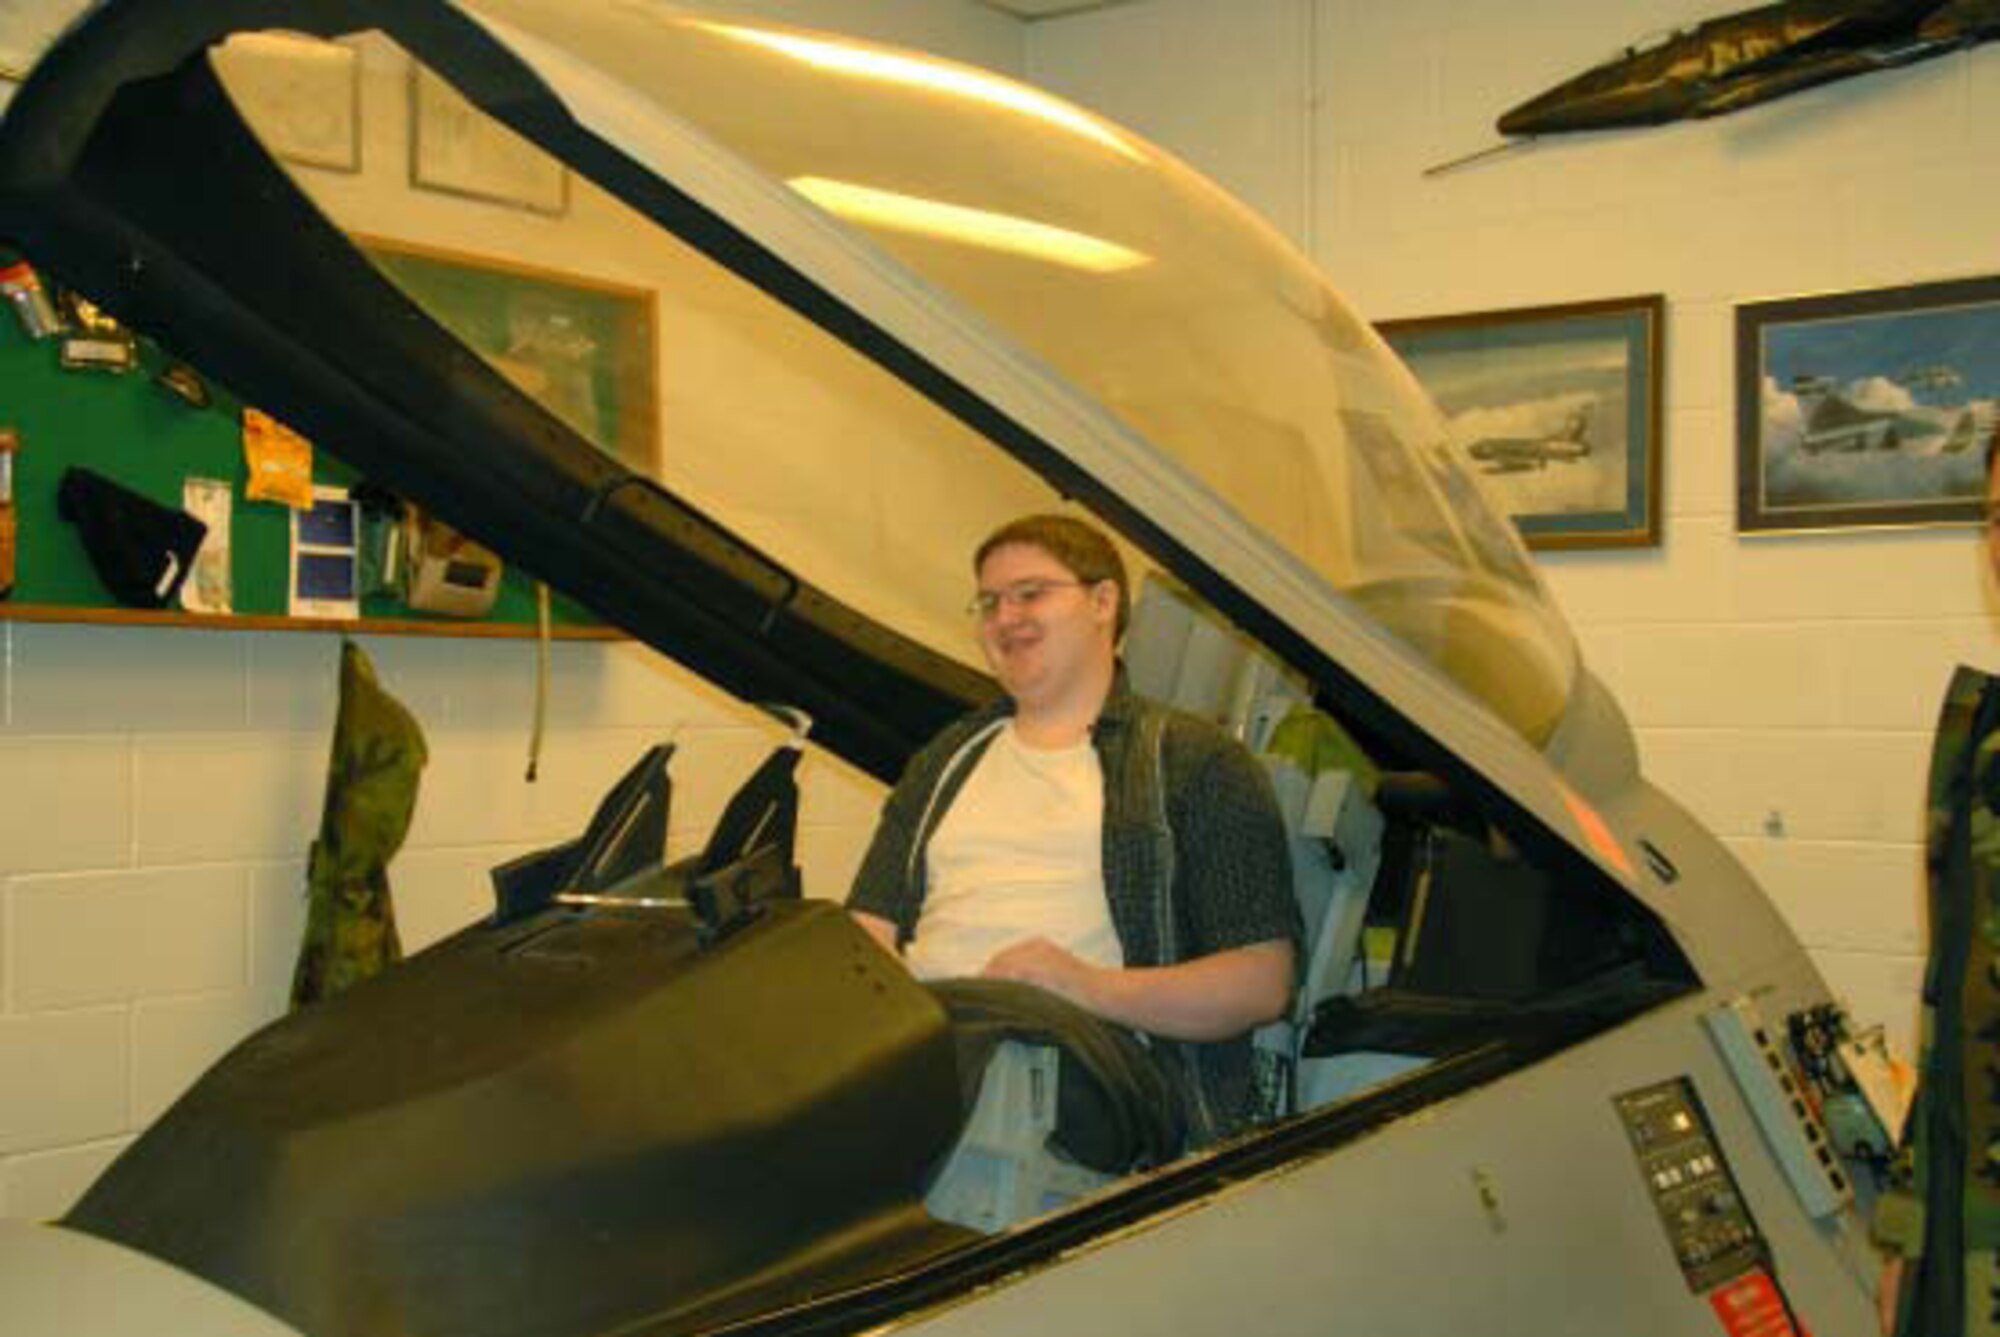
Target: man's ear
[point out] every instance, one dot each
(1104, 601)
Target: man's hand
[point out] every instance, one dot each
(1039, 962)
(1213, 997)
(879, 929)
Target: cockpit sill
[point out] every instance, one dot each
(1147, 1201)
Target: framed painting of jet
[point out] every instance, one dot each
(1556, 408)
(1867, 408)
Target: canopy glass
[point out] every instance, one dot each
(1103, 259)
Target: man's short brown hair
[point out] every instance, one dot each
(1083, 549)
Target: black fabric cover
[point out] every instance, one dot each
(573, 1125)
(1116, 1109)
(1399, 1021)
(141, 550)
(1499, 929)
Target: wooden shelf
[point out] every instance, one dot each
(366, 626)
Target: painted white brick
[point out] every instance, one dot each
(627, 685)
(1701, 363)
(87, 679)
(1686, 580)
(1893, 674)
(1581, 254)
(710, 766)
(44, 1185)
(438, 892)
(1752, 240)
(1644, 168)
(1478, 73)
(277, 928)
(466, 684)
(1894, 118)
(176, 1040)
(1718, 674)
(1845, 897)
(1377, 68)
(1879, 989)
(498, 695)
(64, 1078)
(1699, 464)
(1388, 197)
(228, 796)
(833, 793)
(475, 792)
(1946, 204)
(83, 939)
(69, 803)
(294, 680)
(1818, 785)
(829, 856)
(1926, 573)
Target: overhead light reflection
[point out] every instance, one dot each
(916, 72)
(975, 227)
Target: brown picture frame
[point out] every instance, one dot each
(1557, 407)
(1866, 409)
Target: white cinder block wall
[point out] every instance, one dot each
(159, 789)
(1782, 687)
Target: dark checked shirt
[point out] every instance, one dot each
(1195, 860)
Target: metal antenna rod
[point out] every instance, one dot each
(1440, 169)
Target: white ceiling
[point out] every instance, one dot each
(1047, 9)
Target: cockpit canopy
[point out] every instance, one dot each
(1111, 265)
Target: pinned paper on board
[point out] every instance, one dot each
(325, 557)
(208, 588)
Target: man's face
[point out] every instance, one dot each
(1047, 633)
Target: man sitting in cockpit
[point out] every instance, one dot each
(1077, 837)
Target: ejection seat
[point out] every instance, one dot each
(1010, 1163)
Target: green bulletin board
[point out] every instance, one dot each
(138, 433)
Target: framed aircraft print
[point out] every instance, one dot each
(1556, 408)
(1867, 408)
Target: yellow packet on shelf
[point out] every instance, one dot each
(280, 462)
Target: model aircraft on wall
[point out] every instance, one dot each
(1753, 56)
(1743, 59)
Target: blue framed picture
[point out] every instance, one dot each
(1556, 408)
(1867, 408)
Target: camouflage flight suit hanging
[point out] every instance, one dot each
(1946, 1218)
(371, 791)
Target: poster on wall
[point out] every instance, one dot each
(301, 95)
(581, 347)
(459, 149)
(1867, 408)
(1557, 408)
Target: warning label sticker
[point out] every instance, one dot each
(1750, 1307)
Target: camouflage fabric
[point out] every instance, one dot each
(371, 791)
(1313, 741)
(1946, 1215)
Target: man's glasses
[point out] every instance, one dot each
(1025, 595)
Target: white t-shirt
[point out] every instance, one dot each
(1020, 854)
